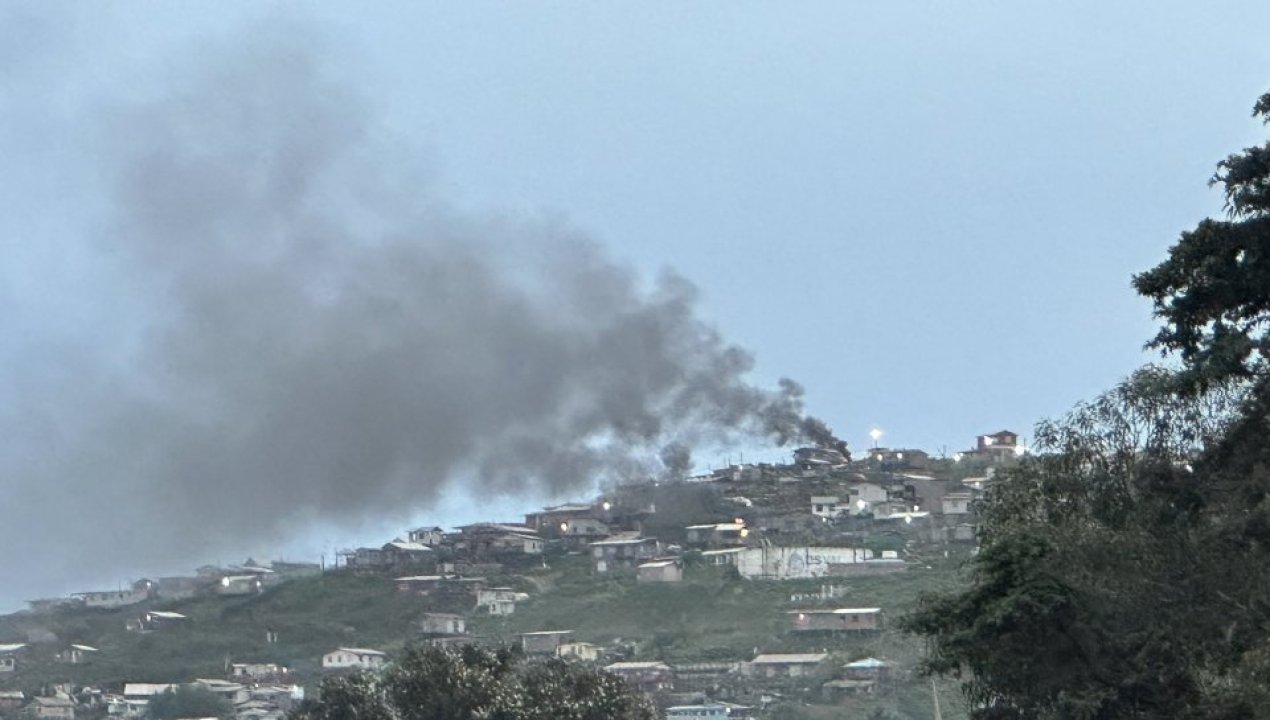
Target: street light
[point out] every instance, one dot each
(875, 434)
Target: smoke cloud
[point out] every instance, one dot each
(326, 340)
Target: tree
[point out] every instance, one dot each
(188, 701)
(1213, 291)
(469, 683)
(1124, 571)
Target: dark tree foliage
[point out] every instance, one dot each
(1124, 571)
(472, 683)
(1213, 291)
(188, 701)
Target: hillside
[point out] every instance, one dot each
(711, 615)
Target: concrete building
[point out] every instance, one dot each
(839, 620)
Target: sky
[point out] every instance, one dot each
(927, 214)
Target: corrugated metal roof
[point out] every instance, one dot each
(789, 659)
(637, 665)
(868, 663)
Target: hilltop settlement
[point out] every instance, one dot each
(721, 596)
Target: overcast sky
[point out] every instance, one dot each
(926, 213)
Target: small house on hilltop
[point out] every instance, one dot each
(110, 599)
(622, 552)
(430, 536)
(956, 503)
(551, 518)
(544, 642)
(258, 672)
(647, 677)
(499, 601)
(11, 699)
(76, 654)
(586, 652)
(995, 447)
(434, 623)
(786, 665)
(354, 659)
(58, 707)
(869, 668)
(481, 539)
(9, 656)
(229, 691)
(840, 620)
(716, 535)
(251, 584)
(660, 571)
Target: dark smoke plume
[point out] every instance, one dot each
(328, 341)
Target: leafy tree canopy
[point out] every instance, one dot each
(1213, 291)
(188, 701)
(1124, 571)
(436, 684)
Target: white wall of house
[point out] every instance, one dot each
(349, 658)
(785, 563)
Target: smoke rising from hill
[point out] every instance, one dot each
(326, 340)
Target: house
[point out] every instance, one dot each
(76, 654)
(956, 503)
(623, 551)
(550, 518)
(9, 656)
(155, 620)
(586, 652)
(829, 506)
(229, 691)
(441, 587)
(136, 696)
(819, 458)
(400, 553)
(863, 495)
(578, 532)
(419, 584)
(840, 620)
(869, 668)
(11, 699)
(258, 672)
(644, 676)
(485, 538)
(430, 536)
(442, 624)
(58, 707)
(282, 697)
(781, 665)
(892, 460)
(995, 447)
(499, 601)
(110, 599)
(726, 556)
(251, 584)
(660, 571)
(716, 535)
(354, 659)
(365, 559)
(845, 688)
(544, 642)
